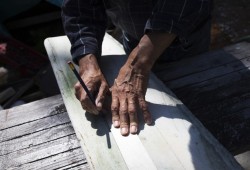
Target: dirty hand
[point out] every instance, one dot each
(92, 76)
(128, 92)
(129, 88)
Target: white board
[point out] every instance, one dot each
(177, 140)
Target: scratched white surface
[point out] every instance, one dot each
(177, 140)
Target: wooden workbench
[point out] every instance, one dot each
(39, 135)
(177, 140)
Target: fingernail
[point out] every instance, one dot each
(124, 131)
(133, 129)
(116, 123)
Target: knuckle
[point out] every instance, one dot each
(143, 105)
(131, 112)
(105, 86)
(77, 86)
(90, 88)
(115, 117)
(114, 108)
(124, 124)
(84, 99)
(101, 98)
(144, 108)
(123, 112)
(83, 106)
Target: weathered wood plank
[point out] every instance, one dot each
(218, 95)
(215, 90)
(209, 74)
(230, 128)
(77, 166)
(183, 142)
(45, 141)
(36, 138)
(206, 61)
(38, 152)
(225, 108)
(34, 126)
(72, 158)
(43, 108)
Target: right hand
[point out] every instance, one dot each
(92, 76)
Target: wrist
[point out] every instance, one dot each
(150, 47)
(88, 63)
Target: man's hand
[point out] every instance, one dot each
(92, 76)
(129, 89)
(128, 92)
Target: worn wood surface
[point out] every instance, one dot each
(177, 140)
(215, 86)
(39, 135)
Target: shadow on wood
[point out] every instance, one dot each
(176, 141)
(215, 86)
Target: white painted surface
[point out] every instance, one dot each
(177, 140)
(244, 160)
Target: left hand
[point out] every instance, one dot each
(129, 89)
(128, 92)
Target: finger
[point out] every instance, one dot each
(115, 111)
(123, 113)
(132, 114)
(87, 103)
(92, 108)
(145, 111)
(84, 98)
(101, 96)
(81, 95)
(88, 106)
(85, 107)
(77, 88)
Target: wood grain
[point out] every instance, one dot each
(11, 117)
(215, 86)
(42, 139)
(177, 140)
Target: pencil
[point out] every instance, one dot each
(72, 67)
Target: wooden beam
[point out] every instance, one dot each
(177, 140)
